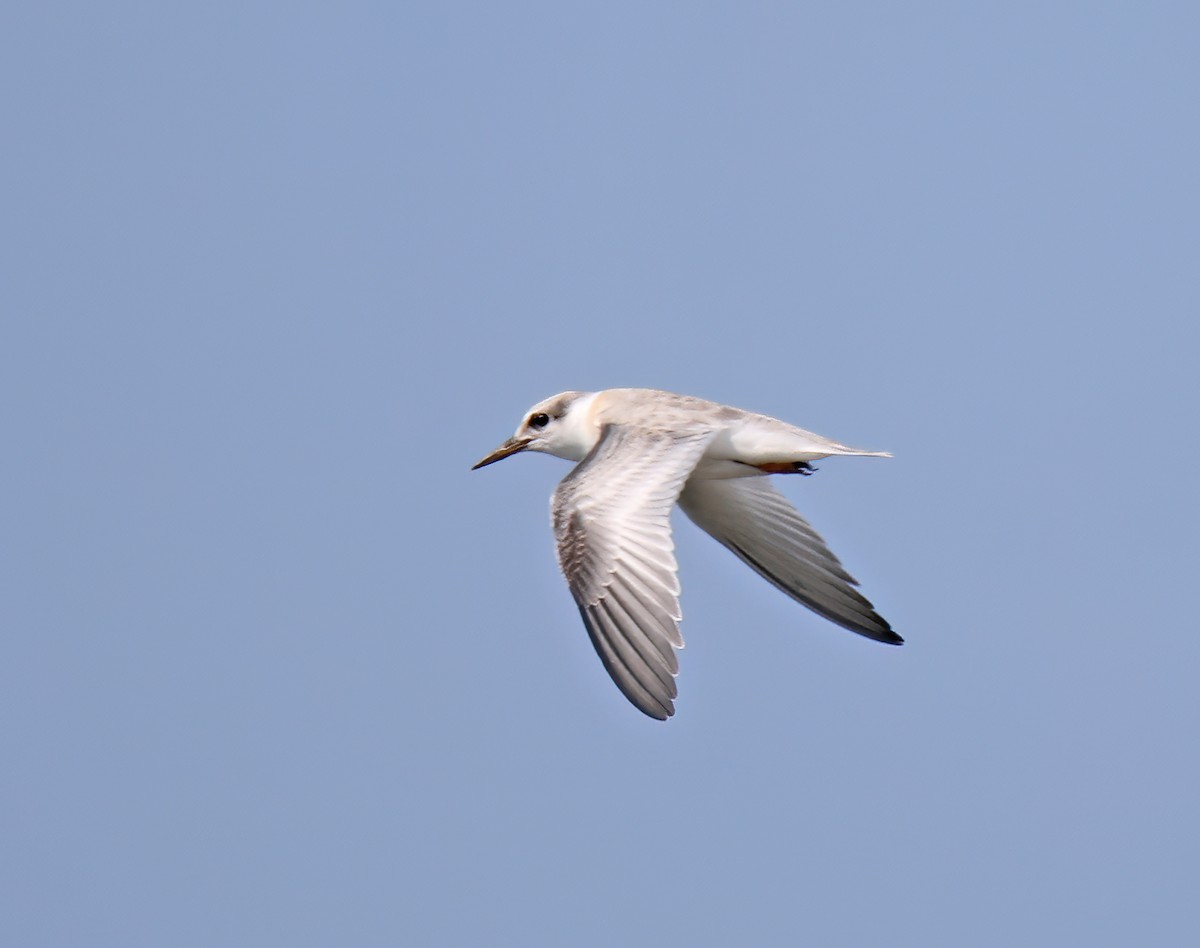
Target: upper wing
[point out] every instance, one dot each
(612, 523)
(753, 519)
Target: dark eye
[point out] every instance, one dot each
(540, 420)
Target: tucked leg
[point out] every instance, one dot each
(787, 467)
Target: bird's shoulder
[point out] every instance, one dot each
(651, 410)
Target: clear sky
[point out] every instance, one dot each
(278, 669)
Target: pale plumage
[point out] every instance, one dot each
(641, 451)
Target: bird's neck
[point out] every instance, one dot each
(579, 430)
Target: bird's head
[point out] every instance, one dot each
(561, 425)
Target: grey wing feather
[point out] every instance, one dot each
(757, 523)
(612, 526)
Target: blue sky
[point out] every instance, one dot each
(280, 670)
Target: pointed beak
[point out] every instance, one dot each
(511, 446)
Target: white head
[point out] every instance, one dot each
(561, 425)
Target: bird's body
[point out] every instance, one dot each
(641, 451)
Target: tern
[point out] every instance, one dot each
(641, 451)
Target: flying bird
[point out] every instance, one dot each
(641, 451)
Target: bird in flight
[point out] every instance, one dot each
(641, 451)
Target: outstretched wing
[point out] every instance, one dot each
(748, 515)
(612, 525)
